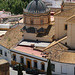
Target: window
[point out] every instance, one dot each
(28, 64)
(14, 57)
(65, 26)
(65, 43)
(6, 54)
(31, 21)
(35, 64)
(42, 66)
(22, 60)
(0, 52)
(53, 67)
(41, 21)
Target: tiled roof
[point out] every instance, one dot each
(60, 53)
(28, 50)
(12, 37)
(69, 12)
(68, 8)
(71, 19)
(2, 61)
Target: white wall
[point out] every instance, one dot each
(8, 57)
(71, 35)
(31, 36)
(32, 61)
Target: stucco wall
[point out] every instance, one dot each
(32, 61)
(71, 35)
(31, 36)
(8, 57)
(60, 27)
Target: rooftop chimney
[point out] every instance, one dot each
(62, 5)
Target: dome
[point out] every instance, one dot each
(36, 6)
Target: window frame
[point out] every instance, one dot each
(1, 53)
(5, 54)
(42, 21)
(14, 59)
(53, 67)
(31, 21)
(22, 61)
(43, 66)
(65, 27)
(35, 66)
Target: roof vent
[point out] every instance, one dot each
(32, 45)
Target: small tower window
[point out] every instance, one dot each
(31, 21)
(41, 21)
(65, 26)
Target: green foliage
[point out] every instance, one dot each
(14, 6)
(49, 68)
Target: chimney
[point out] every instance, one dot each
(62, 5)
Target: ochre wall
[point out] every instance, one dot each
(60, 27)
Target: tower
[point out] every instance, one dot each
(37, 21)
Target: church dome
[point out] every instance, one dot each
(36, 6)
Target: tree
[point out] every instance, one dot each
(14, 6)
(20, 70)
(49, 68)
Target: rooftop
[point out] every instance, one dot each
(69, 9)
(35, 43)
(71, 19)
(2, 32)
(2, 61)
(12, 37)
(28, 50)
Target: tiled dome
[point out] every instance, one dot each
(36, 6)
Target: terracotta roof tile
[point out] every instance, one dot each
(12, 37)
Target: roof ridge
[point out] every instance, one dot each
(54, 43)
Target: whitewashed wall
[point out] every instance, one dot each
(8, 57)
(32, 61)
(60, 68)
